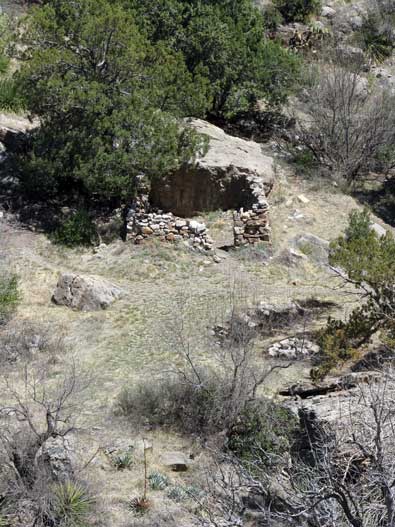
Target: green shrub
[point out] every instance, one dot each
(222, 41)
(71, 505)
(9, 296)
(158, 481)
(298, 10)
(102, 126)
(336, 348)
(180, 493)
(272, 18)
(304, 159)
(377, 37)
(79, 230)
(368, 262)
(4, 63)
(11, 98)
(5, 37)
(264, 431)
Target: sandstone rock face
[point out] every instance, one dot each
(349, 17)
(84, 293)
(234, 173)
(333, 400)
(328, 12)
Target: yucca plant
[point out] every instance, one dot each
(71, 504)
(192, 492)
(123, 459)
(139, 506)
(377, 38)
(181, 493)
(177, 493)
(158, 481)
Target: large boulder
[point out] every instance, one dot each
(234, 173)
(57, 459)
(315, 248)
(84, 293)
(176, 461)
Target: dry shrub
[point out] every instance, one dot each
(23, 339)
(37, 407)
(350, 129)
(171, 402)
(201, 393)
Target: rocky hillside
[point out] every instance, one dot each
(196, 282)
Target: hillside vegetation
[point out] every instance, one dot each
(197, 307)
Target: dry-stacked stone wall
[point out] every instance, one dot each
(144, 222)
(252, 226)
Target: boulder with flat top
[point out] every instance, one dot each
(232, 174)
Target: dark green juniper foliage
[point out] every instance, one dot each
(298, 10)
(223, 42)
(11, 98)
(368, 261)
(222, 46)
(110, 81)
(108, 101)
(78, 230)
(264, 430)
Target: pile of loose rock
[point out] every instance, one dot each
(293, 348)
(145, 222)
(252, 226)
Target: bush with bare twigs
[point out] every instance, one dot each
(202, 394)
(23, 340)
(37, 408)
(335, 476)
(349, 129)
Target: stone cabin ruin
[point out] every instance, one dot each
(233, 175)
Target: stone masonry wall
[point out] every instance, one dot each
(145, 222)
(252, 226)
